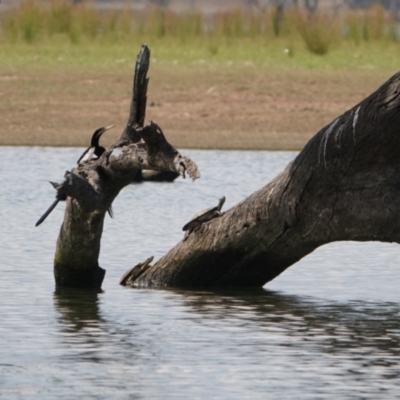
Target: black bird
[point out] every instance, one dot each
(95, 149)
(62, 197)
(59, 197)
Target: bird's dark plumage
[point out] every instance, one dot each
(59, 197)
(94, 150)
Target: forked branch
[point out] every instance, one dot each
(91, 187)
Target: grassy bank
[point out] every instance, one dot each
(51, 54)
(51, 98)
(46, 34)
(34, 20)
(225, 88)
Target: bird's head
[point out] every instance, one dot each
(97, 134)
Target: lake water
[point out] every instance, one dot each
(328, 328)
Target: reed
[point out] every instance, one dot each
(374, 24)
(317, 31)
(59, 17)
(25, 22)
(34, 21)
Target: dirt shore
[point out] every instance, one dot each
(202, 107)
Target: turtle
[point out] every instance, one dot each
(203, 216)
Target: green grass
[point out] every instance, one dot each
(55, 33)
(242, 52)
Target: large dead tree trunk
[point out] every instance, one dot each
(344, 185)
(91, 187)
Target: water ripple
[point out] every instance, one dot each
(329, 327)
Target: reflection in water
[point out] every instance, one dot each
(222, 344)
(87, 335)
(79, 321)
(128, 343)
(362, 336)
(78, 309)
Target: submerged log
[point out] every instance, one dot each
(344, 185)
(91, 187)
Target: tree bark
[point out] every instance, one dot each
(344, 185)
(92, 186)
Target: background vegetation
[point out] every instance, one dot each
(234, 80)
(270, 37)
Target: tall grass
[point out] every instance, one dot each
(317, 31)
(34, 21)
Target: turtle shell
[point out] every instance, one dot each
(200, 217)
(204, 216)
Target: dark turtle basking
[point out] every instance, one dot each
(203, 216)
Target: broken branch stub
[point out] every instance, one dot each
(344, 185)
(91, 186)
(139, 96)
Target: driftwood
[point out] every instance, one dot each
(344, 185)
(91, 187)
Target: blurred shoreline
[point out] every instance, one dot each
(236, 80)
(218, 6)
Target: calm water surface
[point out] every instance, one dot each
(328, 328)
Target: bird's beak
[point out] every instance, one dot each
(108, 127)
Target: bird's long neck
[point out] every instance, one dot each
(95, 140)
(99, 150)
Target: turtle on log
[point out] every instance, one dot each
(203, 216)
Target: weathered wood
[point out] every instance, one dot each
(344, 185)
(137, 116)
(139, 96)
(91, 187)
(129, 277)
